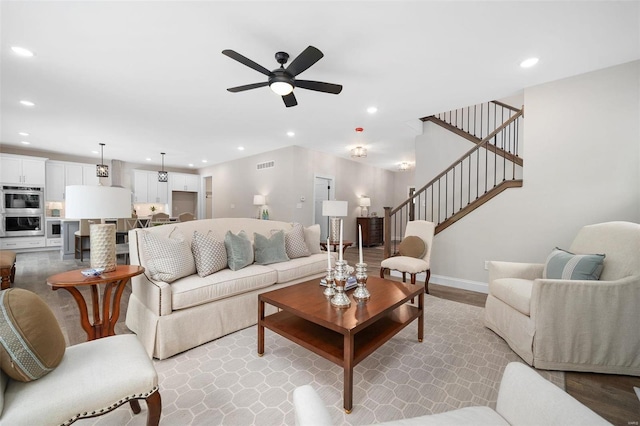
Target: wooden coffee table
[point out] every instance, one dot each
(343, 336)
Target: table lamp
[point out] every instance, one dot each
(365, 202)
(104, 202)
(334, 209)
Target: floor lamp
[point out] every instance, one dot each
(334, 209)
(105, 202)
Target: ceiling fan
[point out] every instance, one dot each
(282, 80)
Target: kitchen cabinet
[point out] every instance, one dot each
(372, 227)
(147, 189)
(61, 174)
(22, 170)
(17, 243)
(184, 182)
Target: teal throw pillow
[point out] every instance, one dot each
(270, 250)
(239, 250)
(565, 265)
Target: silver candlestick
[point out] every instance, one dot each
(330, 290)
(361, 293)
(340, 299)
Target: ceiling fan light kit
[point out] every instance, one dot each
(282, 80)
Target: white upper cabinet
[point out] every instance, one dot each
(22, 170)
(184, 182)
(61, 174)
(147, 189)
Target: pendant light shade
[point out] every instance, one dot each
(359, 151)
(102, 170)
(163, 176)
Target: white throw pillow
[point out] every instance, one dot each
(168, 259)
(209, 254)
(312, 238)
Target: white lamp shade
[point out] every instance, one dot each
(92, 201)
(365, 201)
(259, 200)
(334, 208)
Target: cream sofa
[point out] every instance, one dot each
(573, 324)
(171, 318)
(524, 398)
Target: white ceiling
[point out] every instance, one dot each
(148, 77)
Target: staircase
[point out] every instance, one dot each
(489, 168)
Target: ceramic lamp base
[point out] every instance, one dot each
(103, 246)
(334, 229)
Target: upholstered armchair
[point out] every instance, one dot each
(573, 324)
(44, 383)
(410, 261)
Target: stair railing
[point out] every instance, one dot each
(463, 183)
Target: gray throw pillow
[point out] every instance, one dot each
(270, 250)
(565, 265)
(168, 259)
(239, 250)
(209, 254)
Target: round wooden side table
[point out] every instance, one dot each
(114, 281)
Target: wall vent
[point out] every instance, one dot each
(266, 165)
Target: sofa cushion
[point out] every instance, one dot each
(168, 259)
(32, 344)
(270, 250)
(515, 292)
(209, 254)
(294, 242)
(564, 265)
(312, 238)
(239, 250)
(194, 290)
(301, 267)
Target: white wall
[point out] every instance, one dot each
(235, 183)
(581, 151)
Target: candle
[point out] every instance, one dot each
(340, 248)
(360, 241)
(328, 254)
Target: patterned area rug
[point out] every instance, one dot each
(224, 382)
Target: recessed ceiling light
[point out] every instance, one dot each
(204, 161)
(241, 148)
(22, 51)
(190, 164)
(23, 134)
(372, 110)
(25, 142)
(27, 103)
(148, 159)
(291, 134)
(95, 152)
(527, 63)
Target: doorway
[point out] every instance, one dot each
(323, 190)
(183, 202)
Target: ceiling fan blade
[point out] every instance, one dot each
(290, 100)
(248, 87)
(308, 57)
(319, 86)
(246, 61)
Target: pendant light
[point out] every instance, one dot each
(359, 151)
(163, 176)
(102, 170)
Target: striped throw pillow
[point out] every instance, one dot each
(564, 265)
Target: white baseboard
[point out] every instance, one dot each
(460, 283)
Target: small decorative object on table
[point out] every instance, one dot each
(361, 292)
(329, 282)
(93, 272)
(340, 299)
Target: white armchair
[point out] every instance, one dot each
(574, 325)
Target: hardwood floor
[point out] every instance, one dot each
(610, 396)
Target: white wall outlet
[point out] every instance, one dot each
(486, 265)
(299, 206)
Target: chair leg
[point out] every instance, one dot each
(413, 278)
(13, 274)
(382, 272)
(154, 405)
(426, 281)
(404, 277)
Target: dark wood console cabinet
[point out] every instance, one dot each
(372, 231)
